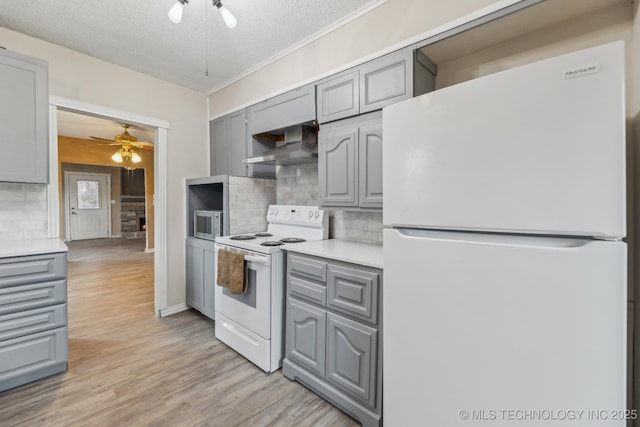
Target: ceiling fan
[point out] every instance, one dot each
(127, 143)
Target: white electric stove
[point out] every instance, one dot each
(252, 323)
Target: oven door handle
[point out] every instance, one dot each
(257, 259)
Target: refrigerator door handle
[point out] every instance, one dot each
(490, 239)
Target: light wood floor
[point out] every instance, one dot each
(130, 368)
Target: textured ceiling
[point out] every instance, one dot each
(138, 35)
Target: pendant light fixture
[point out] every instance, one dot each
(175, 13)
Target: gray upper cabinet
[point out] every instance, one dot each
(290, 108)
(24, 118)
(375, 84)
(218, 131)
(229, 145)
(338, 165)
(337, 97)
(370, 165)
(350, 162)
(386, 80)
(237, 142)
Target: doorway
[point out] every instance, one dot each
(161, 128)
(87, 208)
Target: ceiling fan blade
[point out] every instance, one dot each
(102, 139)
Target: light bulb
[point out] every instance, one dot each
(135, 158)
(228, 17)
(175, 13)
(117, 157)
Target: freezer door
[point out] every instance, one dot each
(497, 324)
(535, 149)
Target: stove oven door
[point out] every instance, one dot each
(251, 309)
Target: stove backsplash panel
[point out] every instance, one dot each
(249, 200)
(298, 185)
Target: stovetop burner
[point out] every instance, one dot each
(271, 243)
(292, 240)
(263, 234)
(242, 237)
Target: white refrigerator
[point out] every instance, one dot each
(505, 270)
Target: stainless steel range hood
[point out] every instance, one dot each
(298, 147)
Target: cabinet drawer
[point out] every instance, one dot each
(307, 290)
(354, 292)
(32, 269)
(307, 267)
(25, 297)
(31, 357)
(31, 321)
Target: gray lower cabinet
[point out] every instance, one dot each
(350, 162)
(375, 84)
(33, 318)
(333, 340)
(200, 275)
(24, 118)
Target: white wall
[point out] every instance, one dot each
(84, 78)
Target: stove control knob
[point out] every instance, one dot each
(271, 211)
(275, 211)
(317, 214)
(310, 214)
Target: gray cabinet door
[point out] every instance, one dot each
(237, 128)
(194, 275)
(208, 282)
(386, 80)
(370, 164)
(338, 97)
(338, 166)
(219, 149)
(353, 291)
(305, 336)
(24, 119)
(290, 108)
(351, 357)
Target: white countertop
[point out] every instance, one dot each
(341, 250)
(9, 248)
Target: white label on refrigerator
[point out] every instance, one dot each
(581, 71)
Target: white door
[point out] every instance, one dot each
(534, 149)
(88, 209)
(488, 323)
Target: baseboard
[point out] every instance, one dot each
(149, 250)
(174, 309)
(116, 236)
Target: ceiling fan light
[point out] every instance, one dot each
(228, 17)
(135, 157)
(175, 13)
(117, 157)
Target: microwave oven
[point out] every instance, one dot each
(207, 224)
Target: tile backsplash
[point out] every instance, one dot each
(249, 200)
(298, 185)
(23, 211)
